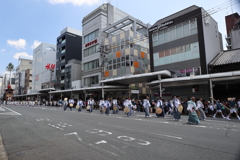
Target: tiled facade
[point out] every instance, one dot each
(126, 59)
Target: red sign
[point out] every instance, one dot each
(50, 66)
(91, 43)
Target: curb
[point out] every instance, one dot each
(3, 155)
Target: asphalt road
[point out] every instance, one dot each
(52, 134)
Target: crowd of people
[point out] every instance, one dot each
(197, 109)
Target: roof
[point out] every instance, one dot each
(177, 14)
(226, 57)
(138, 78)
(199, 78)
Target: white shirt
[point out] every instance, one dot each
(211, 107)
(146, 103)
(199, 104)
(71, 101)
(80, 103)
(107, 104)
(238, 104)
(91, 102)
(159, 103)
(128, 103)
(176, 102)
(101, 103)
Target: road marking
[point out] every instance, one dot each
(74, 133)
(102, 141)
(1, 109)
(13, 111)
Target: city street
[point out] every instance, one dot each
(52, 134)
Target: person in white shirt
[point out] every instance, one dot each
(176, 113)
(107, 105)
(71, 103)
(200, 107)
(211, 109)
(65, 104)
(146, 105)
(80, 104)
(101, 105)
(91, 103)
(160, 105)
(115, 106)
(128, 103)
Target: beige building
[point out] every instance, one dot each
(24, 64)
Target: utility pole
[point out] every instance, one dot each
(104, 49)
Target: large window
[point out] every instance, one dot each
(90, 51)
(91, 65)
(91, 36)
(176, 32)
(178, 54)
(91, 80)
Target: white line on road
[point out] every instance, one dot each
(13, 111)
(74, 133)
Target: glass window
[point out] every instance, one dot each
(166, 36)
(123, 64)
(161, 54)
(114, 66)
(167, 52)
(114, 61)
(91, 36)
(161, 37)
(172, 33)
(193, 23)
(118, 59)
(179, 31)
(122, 44)
(118, 65)
(110, 62)
(173, 51)
(186, 29)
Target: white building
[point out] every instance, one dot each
(92, 26)
(43, 56)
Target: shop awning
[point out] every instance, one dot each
(139, 78)
(90, 88)
(197, 80)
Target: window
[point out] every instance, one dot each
(122, 44)
(91, 65)
(90, 51)
(30, 62)
(181, 30)
(91, 80)
(91, 36)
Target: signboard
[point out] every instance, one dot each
(91, 43)
(135, 91)
(50, 66)
(161, 26)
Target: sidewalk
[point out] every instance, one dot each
(3, 155)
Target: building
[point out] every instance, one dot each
(184, 43)
(128, 55)
(92, 25)
(233, 31)
(23, 64)
(44, 62)
(68, 58)
(26, 81)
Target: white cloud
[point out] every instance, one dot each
(22, 54)
(3, 50)
(21, 43)
(75, 2)
(35, 44)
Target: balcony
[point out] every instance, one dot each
(63, 71)
(63, 51)
(63, 41)
(62, 81)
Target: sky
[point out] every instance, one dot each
(24, 24)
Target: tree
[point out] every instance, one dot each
(10, 68)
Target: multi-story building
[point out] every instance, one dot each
(26, 81)
(233, 31)
(68, 57)
(128, 55)
(23, 65)
(44, 61)
(92, 26)
(184, 43)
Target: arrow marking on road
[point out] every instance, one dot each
(102, 141)
(74, 133)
